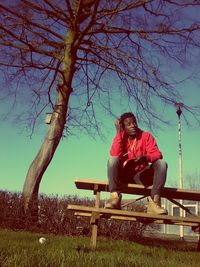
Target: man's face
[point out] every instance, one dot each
(130, 126)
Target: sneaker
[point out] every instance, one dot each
(154, 206)
(114, 202)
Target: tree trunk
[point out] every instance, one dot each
(42, 160)
(54, 134)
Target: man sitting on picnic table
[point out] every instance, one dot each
(135, 158)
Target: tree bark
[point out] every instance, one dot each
(54, 134)
(43, 159)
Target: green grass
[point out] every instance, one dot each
(22, 249)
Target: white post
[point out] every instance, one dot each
(179, 112)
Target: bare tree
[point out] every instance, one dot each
(53, 51)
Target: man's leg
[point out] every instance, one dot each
(114, 168)
(159, 179)
(154, 175)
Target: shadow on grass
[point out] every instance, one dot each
(174, 243)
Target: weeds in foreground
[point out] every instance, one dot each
(23, 249)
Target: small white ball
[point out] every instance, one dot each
(42, 240)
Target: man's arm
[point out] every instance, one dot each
(117, 148)
(152, 151)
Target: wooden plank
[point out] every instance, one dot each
(115, 217)
(95, 217)
(135, 189)
(81, 213)
(142, 216)
(91, 185)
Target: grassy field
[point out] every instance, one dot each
(22, 249)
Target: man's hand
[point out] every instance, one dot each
(118, 126)
(141, 159)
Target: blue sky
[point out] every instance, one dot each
(82, 157)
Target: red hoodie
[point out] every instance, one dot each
(144, 145)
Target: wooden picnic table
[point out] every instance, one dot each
(170, 193)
